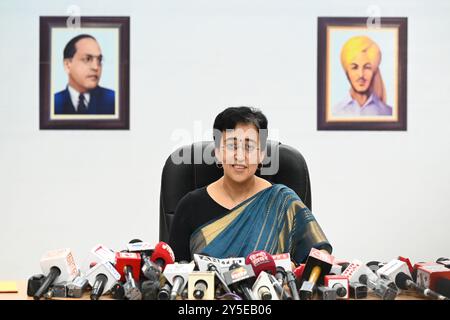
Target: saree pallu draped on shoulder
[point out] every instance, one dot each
(274, 220)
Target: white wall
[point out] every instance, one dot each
(376, 194)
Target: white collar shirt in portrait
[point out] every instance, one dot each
(75, 97)
(373, 107)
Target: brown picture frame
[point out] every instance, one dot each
(326, 120)
(120, 120)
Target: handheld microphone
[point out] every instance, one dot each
(355, 269)
(177, 275)
(128, 265)
(164, 292)
(279, 289)
(283, 260)
(59, 266)
(405, 282)
(206, 263)
(359, 272)
(213, 268)
(261, 261)
(282, 264)
(149, 269)
(101, 278)
(263, 289)
(392, 268)
(201, 285)
(339, 283)
(386, 290)
(285, 274)
(239, 277)
(130, 259)
(162, 255)
(317, 265)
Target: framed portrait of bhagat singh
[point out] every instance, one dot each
(362, 74)
(84, 73)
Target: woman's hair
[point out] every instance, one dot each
(231, 117)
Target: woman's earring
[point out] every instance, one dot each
(260, 165)
(219, 165)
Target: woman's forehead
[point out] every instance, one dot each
(242, 133)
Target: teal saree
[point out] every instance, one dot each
(274, 220)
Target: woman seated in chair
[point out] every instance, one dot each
(241, 212)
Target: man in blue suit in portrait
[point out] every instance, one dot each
(83, 65)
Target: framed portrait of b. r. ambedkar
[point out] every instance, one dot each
(362, 74)
(84, 73)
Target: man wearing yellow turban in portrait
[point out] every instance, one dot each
(360, 58)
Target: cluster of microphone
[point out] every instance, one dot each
(147, 272)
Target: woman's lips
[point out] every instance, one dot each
(238, 167)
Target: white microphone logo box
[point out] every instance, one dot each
(283, 260)
(263, 282)
(64, 261)
(391, 269)
(206, 277)
(108, 270)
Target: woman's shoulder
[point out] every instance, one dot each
(190, 203)
(284, 190)
(194, 196)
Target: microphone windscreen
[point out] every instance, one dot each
(261, 261)
(163, 252)
(401, 280)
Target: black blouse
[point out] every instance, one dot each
(194, 210)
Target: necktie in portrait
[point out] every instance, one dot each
(81, 108)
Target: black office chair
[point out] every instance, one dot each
(179, 179)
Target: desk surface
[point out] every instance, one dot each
(22, 295)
